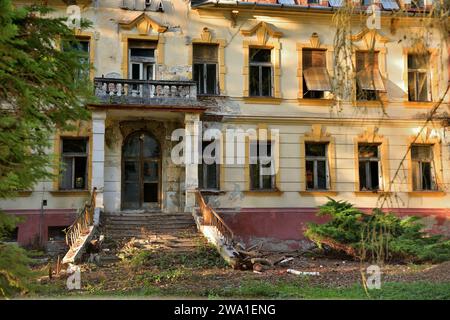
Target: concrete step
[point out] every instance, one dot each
(146, 215)
(150, 223)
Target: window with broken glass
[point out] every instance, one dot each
(205, 60)
(423, 169)
(369, 82)
(317, 176)
(260, 72)
(418, 77)
(208, 170)
(316, 80)
(74, 156)
(369, 167)
(262, 166)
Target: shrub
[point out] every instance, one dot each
(378, 236)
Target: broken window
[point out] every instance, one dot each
(208, 170)
(368, 77)
(423, 171)
(369, 167)
(418, 78)
(317, 176)
(205, 59)
(74, 160)
(316, 80)
(260, 72)
(262, 166)
(56, 233)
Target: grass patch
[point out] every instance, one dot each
(299, 290)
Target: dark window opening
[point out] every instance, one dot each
(10, 235)
(208, 170)
(317, 177)
(423, 169)
(316, 80)
(262, 167)
(56, 233)
(205, 71)
(418, 78)
(74, 157)
(369, 167)
(260, 78)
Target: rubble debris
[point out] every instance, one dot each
(302, 273)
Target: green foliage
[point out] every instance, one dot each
(377, 236)
(15, 275)
(39, 91)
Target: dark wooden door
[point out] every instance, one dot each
(141, 172)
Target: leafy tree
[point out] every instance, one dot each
(39, 92)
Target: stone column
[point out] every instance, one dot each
(191, 121)
(98, 155)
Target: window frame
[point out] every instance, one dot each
(315, 159)
(73, 155)
(367, 167)
(205, 64)
(260, 66)
(416, 72)
(434, 186)
(363, 95)
(203, 166)
(260, 167)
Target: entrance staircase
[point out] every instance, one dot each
(152, 230)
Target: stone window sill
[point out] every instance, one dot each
(70, 193)
(318, 193)
(315, 102)
(434, 193)
(375, 193)
(262, 100)
(264, 192)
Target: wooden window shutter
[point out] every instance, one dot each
(315, 71)
(205, 53)
(367, 72)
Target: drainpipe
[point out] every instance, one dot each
(41, 223)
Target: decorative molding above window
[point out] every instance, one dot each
(263, 31)
(370, 37)
(143, 24)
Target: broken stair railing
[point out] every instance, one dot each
(84, 219)
(145, 89)
(212, 218)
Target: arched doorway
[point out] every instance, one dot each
(141, 171)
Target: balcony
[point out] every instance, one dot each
(112, 91)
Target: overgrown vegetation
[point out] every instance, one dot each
(204, 256)
(376, 237)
